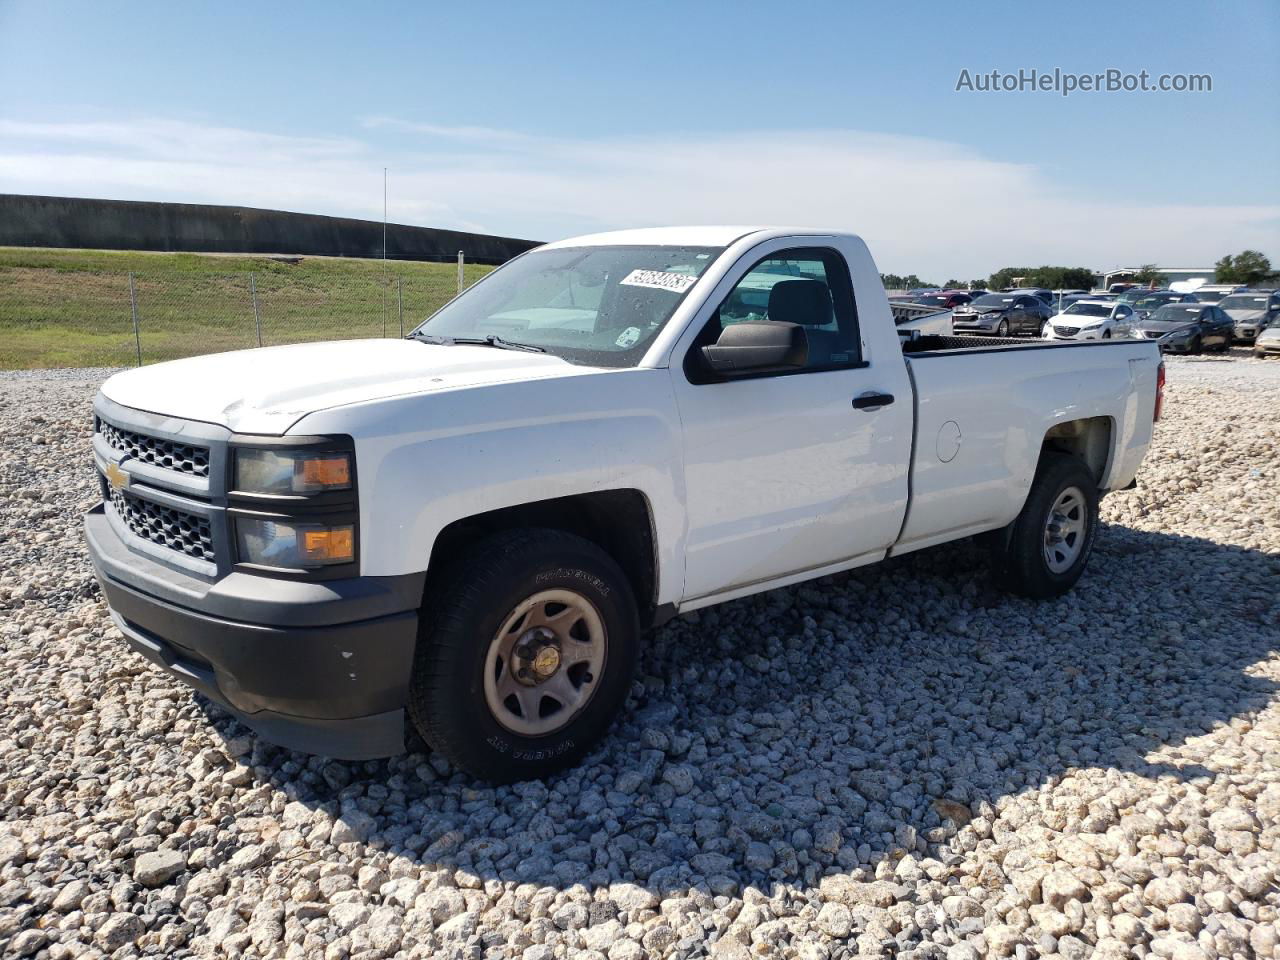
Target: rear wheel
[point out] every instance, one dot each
(525, 656)
(1044, 551)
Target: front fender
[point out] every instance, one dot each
(425, 462)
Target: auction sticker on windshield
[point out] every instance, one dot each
(659, 280)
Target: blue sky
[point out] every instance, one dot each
(544, 120)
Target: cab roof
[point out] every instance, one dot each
(693, 236)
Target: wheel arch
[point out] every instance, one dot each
(618, 521)
(1089, 439)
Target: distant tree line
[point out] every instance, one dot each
(892, 281)
(1248, 267)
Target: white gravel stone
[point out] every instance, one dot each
(158, 867)
(893, 762)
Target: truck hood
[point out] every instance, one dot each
(1167, 326)
(268, 390)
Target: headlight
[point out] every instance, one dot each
(294, 545)
(285, 472)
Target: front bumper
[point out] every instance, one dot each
(1261, 347)
(1081, 334)
(321, 667)
(1248, 332)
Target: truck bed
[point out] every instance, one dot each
(982, 416)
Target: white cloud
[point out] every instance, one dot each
(929, 206)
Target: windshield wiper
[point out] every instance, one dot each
(492, 340)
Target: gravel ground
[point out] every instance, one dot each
(899, 761)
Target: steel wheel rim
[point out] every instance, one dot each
(530, 690)
(1065, 527)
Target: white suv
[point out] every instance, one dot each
(1090, 320)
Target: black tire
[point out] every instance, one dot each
(1019, 558)
(1002, 329)
(1106, 334)
(1195, 346)
(462, 616)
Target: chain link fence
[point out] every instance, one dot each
(76, 318)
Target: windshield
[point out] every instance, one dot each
(994, 300)
(1243, 302)
(1129, 296)
(937, 300)
(1209, 296)
(595, 305)
(1184, 312)
(1155, 300)
(1090, 309)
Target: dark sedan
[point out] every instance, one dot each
(1187, 328)
(1002, 314)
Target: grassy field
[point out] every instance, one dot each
(72, 308)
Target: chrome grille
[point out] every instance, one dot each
(1067, 331)
(175, 529)
(185, 458)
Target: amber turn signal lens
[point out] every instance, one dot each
(329, 545)
(321, 473)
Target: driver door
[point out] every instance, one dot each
(784, 471)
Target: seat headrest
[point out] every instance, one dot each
(806, 302)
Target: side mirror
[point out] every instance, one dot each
(757, 347)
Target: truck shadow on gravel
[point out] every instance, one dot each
(822, 728)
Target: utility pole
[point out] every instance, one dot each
(385, 279)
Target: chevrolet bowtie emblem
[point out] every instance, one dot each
(116, 477)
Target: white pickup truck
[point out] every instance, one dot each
(469, 529)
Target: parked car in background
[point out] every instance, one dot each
(1268, 340)
(1002, 314)
(1090, 320)
(1044, 293)
(1134, 294)
(1251, 311)
(944, 300)
(979, 292)
(1151, 302)
(1214, 292)
(1187, 328)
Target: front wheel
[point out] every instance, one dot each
(1194, 346)
(525, 656)
(1003, 329)
(1106, 334)
(1044, 551)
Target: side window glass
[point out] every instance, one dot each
(808, 287)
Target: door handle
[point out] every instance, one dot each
(872, 401)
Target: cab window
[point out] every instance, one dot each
(809, 287)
